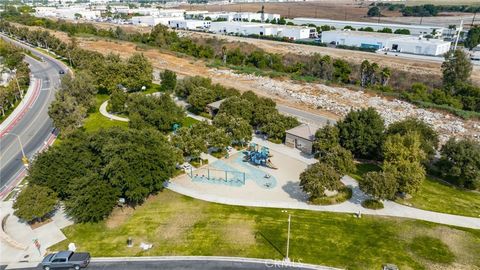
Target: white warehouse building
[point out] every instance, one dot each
(152, 20)
(189, 24)
(387, 42)
(240, 16)
(416, 30)
(263, 29)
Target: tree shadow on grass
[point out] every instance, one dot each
(262, 236)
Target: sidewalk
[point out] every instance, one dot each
(47, 235)
(17, 114)
(103, 111)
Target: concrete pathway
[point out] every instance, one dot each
(103, 111)
(292, 201)
(47, 235)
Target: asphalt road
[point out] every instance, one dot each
(185, 265)
(35, 127)
(304, 116)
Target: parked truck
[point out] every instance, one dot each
(66, 259)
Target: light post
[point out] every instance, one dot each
(24, 157)
(18, 85)
(287, 259)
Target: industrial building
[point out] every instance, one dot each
(263, 29)
(240, 16)
(416, 30)
(387, 42)
(189, 24)
(70, 13)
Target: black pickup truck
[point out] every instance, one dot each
(66, 259)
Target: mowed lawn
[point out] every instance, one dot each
(96, 120)
(435, 195)
(179, 225)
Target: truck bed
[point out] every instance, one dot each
(79, 257)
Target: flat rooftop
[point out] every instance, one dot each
(352, 23)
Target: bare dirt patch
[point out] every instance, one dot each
(239, 230)
(119, 216)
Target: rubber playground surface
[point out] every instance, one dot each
(238, 179)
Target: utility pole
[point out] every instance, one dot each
(18, 85)
(288, 238)
(421, 20)
(473, 19)
(458, 35)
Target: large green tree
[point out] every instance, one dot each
(473, 37)
(340, 159)
(34, 203)
(457, 69)
(169, 80)
(428, 136)
(92, 198)
(138, 72)
(237, 128)
(67, 114)
(361, 132)
(326, 138)
(318, 178)
(81, 88)
(460, 161)
(151, 111)
(403, 157)
(380, 185)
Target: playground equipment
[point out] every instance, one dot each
(217, 176)
(258, 156)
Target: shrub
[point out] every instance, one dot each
(372, 204)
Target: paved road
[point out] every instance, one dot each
(35, 127)
(191, 263)
(304, 116)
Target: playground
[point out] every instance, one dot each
(257, 172)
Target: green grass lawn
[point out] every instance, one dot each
(179, 225)
(188, 121)
(96, 120)
(441, 197)
(435, 195)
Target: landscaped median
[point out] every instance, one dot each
(179, 225)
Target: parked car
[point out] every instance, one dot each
(61, 71)
(66, 259)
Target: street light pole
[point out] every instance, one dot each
(288, 238)
(24, 157)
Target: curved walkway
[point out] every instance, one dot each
(353, 205)
(103, 111)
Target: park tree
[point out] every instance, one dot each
(238, 129)
(92, 198)
(66, 113)
(169, 80)
(380, 185)
(138, 72)
(326, 138)
(186, 86)
(361, 132)
(152, 111)
(403, 157)
(374, 12)
(81, 87)
(277, 125)
(117, 102)
(456, 69)
(56, 167)
(460, 162)
(341, 71)
(318, 178)
(473, 37)
(200, 97)
(237, 107)
(428, 136)
(34, 203)
(137, 162)
(190, 144)
(340, 159)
